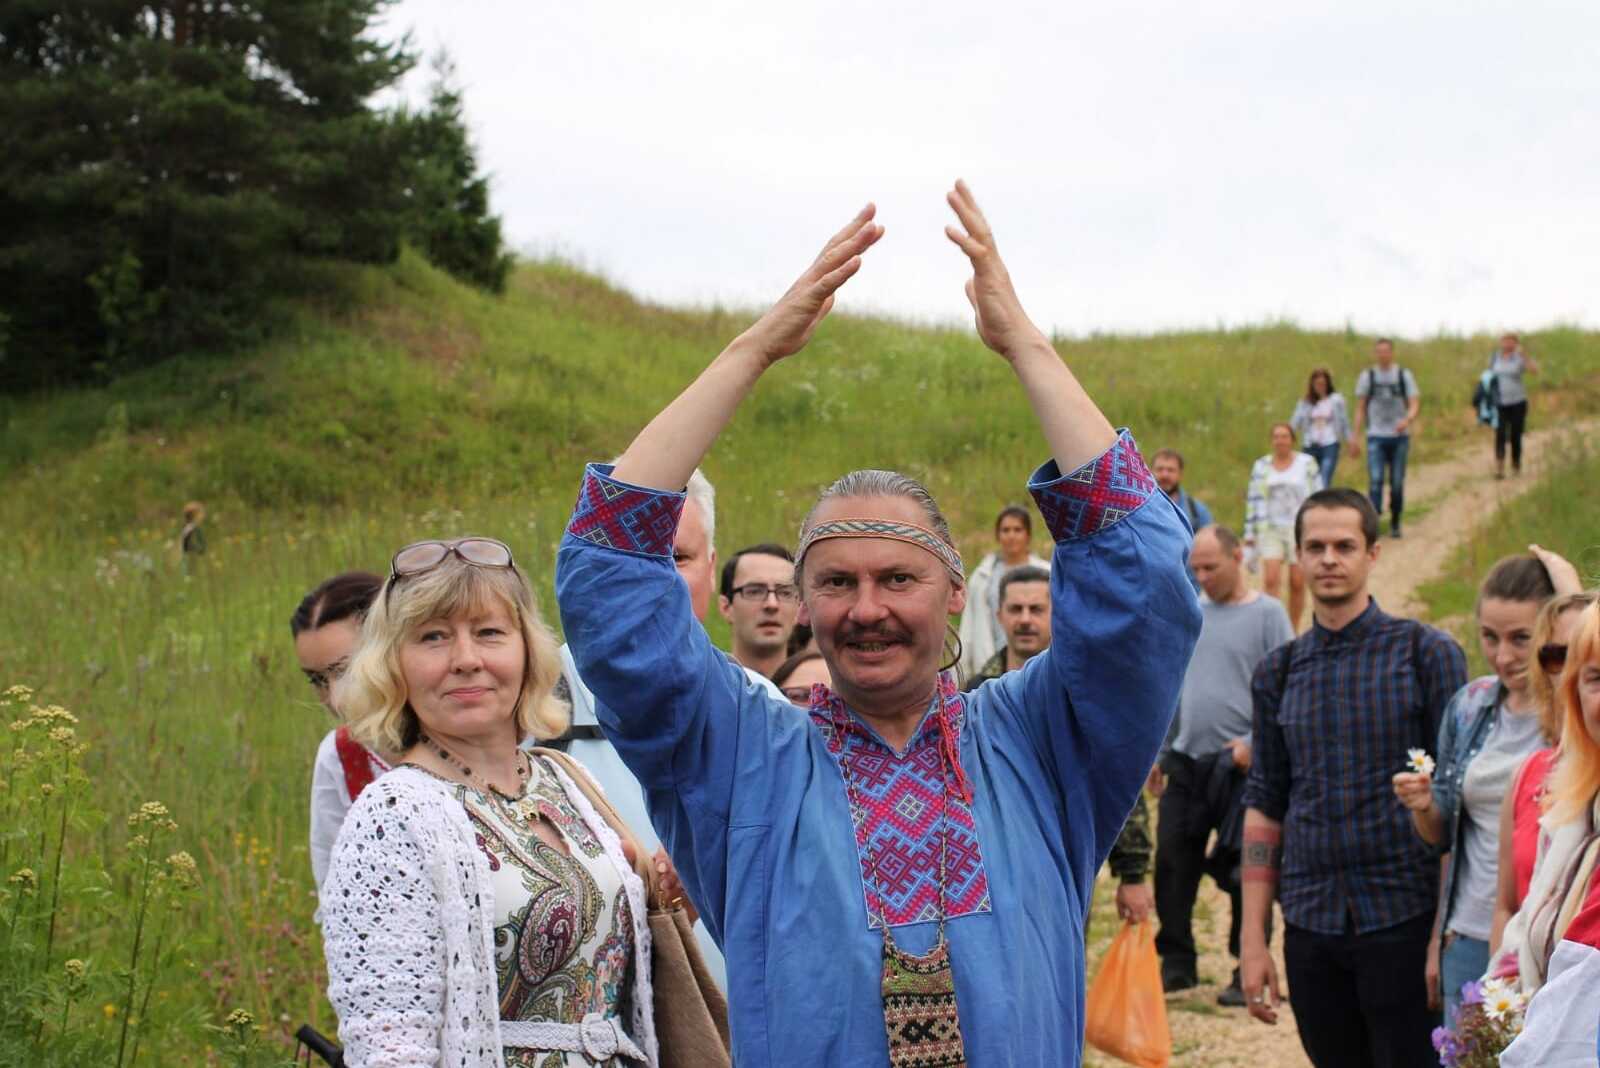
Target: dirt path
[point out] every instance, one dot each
(1448, 499)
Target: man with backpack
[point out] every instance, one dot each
(1387, 402)
(1167, 467)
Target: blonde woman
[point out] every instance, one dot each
(1279, 483)
(478, 911)
(1559, 947)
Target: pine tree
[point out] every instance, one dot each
(162, 166)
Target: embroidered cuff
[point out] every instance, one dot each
(622, 516)
(1095, 496)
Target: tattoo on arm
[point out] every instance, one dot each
(1263, 856)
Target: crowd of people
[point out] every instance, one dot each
(886, 830)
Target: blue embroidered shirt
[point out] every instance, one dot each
(749, 798)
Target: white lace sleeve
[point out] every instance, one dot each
(383, 933)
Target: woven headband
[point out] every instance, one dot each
(910, 533)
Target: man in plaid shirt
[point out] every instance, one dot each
(1334, 713)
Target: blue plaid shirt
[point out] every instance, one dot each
(1335, 712)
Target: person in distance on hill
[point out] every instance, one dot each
(327, 628)
(1279, 482)
(1200, 779)
(1490, 728)
(981, 635)
(760, 602)
(1509, 364)
(1335, 713)
(192, 538)
(1025, 619)
(694, 556)
(1321, 420)
(1387, 401)
(908, 863)
(1167, 466)
(481, 910)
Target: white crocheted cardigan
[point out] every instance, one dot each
(407, 927)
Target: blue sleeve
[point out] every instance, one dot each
(1093, 708)
(1267, 785)
(1445, 795)
(685, 719)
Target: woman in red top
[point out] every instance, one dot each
(1519, 819)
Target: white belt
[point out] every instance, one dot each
(599, 1037)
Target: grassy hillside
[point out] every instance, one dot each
(401, 405)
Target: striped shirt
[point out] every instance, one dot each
(1334, 713)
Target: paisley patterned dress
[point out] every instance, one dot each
(563, 929)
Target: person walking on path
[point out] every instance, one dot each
(1490, 727)
(1335, 712)
(1200, 780)
(1321, 420)
(1167, 466)
(904, 872)
(981, 634)
(1279, 483)
(1509, 364)
(1387, 402)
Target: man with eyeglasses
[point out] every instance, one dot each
(760, 602)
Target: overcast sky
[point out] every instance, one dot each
(1147, 165)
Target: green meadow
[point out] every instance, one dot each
(395, 404)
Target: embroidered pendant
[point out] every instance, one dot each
(919, 1008)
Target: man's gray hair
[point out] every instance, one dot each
(876, 483)
(704, 494)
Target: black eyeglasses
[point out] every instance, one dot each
(756, 592)
(423, 556)
(321, 680)
(1552, 658)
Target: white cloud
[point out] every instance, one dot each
(1146, 165)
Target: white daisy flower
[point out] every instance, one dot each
(1419, 761)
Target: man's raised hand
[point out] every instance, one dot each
(789, 323)
(1002, 324)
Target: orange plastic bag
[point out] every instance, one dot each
(1125, 1013)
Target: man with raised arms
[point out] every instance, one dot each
(900, 876)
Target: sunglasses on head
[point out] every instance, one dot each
(1552, 658)
(423, 556)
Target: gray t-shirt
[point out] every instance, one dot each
(1483, 791)
(1380, 392)
(1214, 707)
(1508, 370)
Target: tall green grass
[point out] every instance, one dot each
(401, 405)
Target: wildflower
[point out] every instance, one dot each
(47, 788)
(1501, 1003)
(75, 968)
(240, 1018)
(1419, 761)
(26, 879)
(109, 1010)
(1472, 993)
(64, 735)
(19, 693)
(184, 870)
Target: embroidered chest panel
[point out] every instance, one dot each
(897, 820)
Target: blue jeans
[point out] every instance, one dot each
(1327, 457)
(1388, 452)
(1463, 960)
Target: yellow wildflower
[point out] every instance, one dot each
(26, 879)
(76, 968)
(109, 1009)
(240, 1018)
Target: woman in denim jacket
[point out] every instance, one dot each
(1489, 727)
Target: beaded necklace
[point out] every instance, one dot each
(489, 789)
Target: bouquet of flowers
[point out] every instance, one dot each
(1490, 1017)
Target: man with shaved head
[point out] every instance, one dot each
(901, 876)
(1200, 779)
